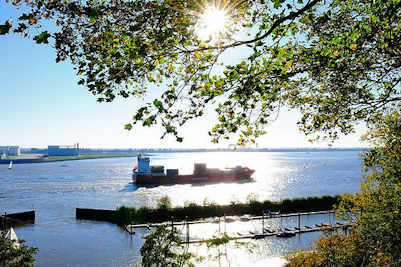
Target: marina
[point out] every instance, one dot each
(252, 235)
(238, 218)
(279, 233)
(263, 232)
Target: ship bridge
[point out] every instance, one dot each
(144, 165)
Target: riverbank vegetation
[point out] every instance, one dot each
(376, 232)
(164, 211)
(43, 158)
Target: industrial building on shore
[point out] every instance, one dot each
(10, 151)
(63, 150)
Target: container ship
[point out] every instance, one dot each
(145, 174)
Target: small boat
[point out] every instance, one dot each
(11, 165)
(259, 236)
(230, 219)
(286, 234)
(215, 220)
(245, 218)
(13, 237)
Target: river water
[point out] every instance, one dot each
(55, 189)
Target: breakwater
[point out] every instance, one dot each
(45, 159)
(96, 215)
(16, 219)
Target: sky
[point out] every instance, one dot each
(41, 104)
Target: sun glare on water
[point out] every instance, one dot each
(213, 23)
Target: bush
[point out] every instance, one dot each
(11, 255)
(164, 248)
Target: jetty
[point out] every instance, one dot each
(277, 233)
(266, 232)
(17, 219)
(228, 219)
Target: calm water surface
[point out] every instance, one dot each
(55, 189)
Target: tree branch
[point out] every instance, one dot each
(276, 24)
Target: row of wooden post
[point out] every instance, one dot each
(263, 224)
(299, 221)
(5, 222)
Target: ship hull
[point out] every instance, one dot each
(140, 179)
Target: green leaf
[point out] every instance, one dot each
(277, 3)
(92, 13)
(149, 121)
(158, 104)
(42, 38)
(5, 28)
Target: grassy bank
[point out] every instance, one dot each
(18, 159)
(88, 156)
(165, 212)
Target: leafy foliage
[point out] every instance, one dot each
(164, 203)
(11, 256)
(337, 250)
(218, 240)
(163, 248)
(336, 61)
(380, 199)
(5, 28)
(374, 212)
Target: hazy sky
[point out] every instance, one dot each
(41, 105)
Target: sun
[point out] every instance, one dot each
(213, 23)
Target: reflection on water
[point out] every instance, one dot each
(55, 189)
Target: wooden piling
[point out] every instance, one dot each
(263, 223)
(187, 231)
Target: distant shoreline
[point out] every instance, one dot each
(63, 158)
(45, 159)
